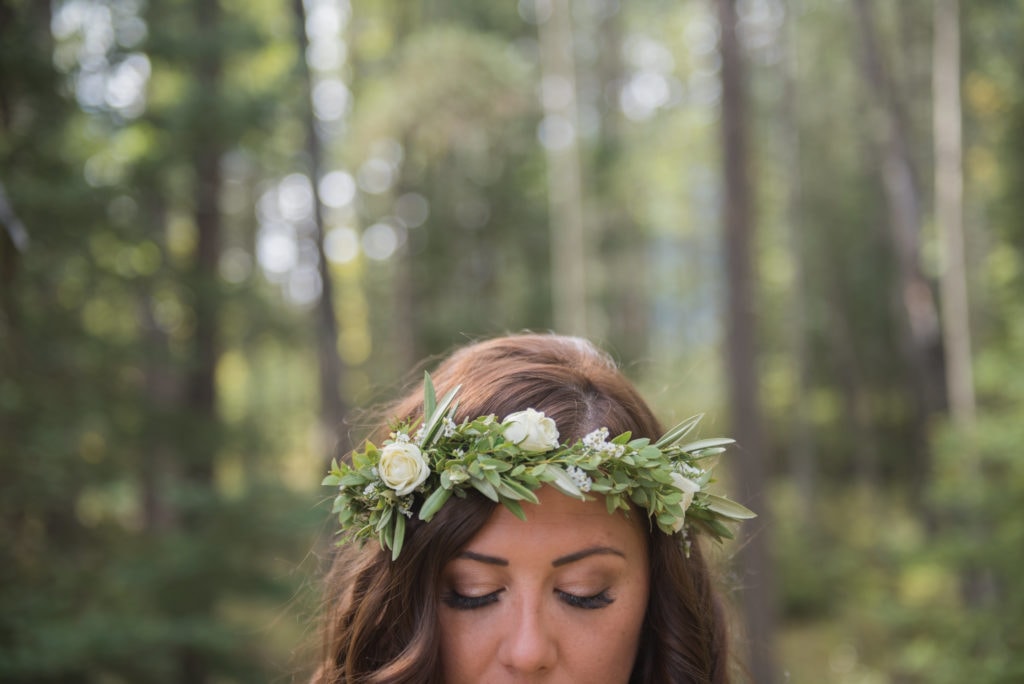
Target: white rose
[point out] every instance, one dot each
(402, 467)
(531, 431)
(688, 487)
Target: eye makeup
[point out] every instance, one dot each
(595, 602)
(453, 599)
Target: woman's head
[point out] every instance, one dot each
(403, 620)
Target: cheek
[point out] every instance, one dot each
(600, 650)
(615, 638)
(607, 646)
(467, 645)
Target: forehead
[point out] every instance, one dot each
(557, 523)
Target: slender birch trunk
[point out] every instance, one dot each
(949, 212)
(332, 405)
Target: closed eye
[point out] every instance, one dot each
(458, 601)
(599, 600)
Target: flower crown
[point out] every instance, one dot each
(507, 460)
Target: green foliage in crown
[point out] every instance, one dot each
(508, 460)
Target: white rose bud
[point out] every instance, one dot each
(688, 487)
(531, 431)
(402, 467)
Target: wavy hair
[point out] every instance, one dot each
(380, 622)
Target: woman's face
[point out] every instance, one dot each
(560, 597)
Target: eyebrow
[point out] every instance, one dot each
(586, 553)
(490, 560)
(558, 562)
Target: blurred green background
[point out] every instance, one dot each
(229, 230)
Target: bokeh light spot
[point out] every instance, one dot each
(380, 241)
(341, 245)
(337, 189)
(375, 176)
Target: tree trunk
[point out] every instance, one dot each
(977, 584)
(949, 212)
(613, 227)
(332, 406)
(565, 188)
(802, 460)
(913, 303)
(201, 388)
(741, 350)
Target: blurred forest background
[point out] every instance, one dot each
(228, 227)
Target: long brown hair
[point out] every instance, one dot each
(380, 617)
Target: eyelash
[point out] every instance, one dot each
(457, 601)
(598, 600)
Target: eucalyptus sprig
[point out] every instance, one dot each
(415, 473)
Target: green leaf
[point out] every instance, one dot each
(433, 503)
(529, 481)
(611, 503)
(562, 480)
(707, 443)
(679, 431)
(696, 511)
(728, 508)
(367, 458)
(399, 536)
(667, 520)
(433, 423)
(485, 488)
(521, 491)
(660, 475)
(717, 529)
(429, 395)
(640, 497)
(672, 497)
(494, 464)
(385, 518)
(515, 507)
(650, 453)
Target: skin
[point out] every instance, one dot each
(560, 597)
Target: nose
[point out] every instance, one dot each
(530, 645)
